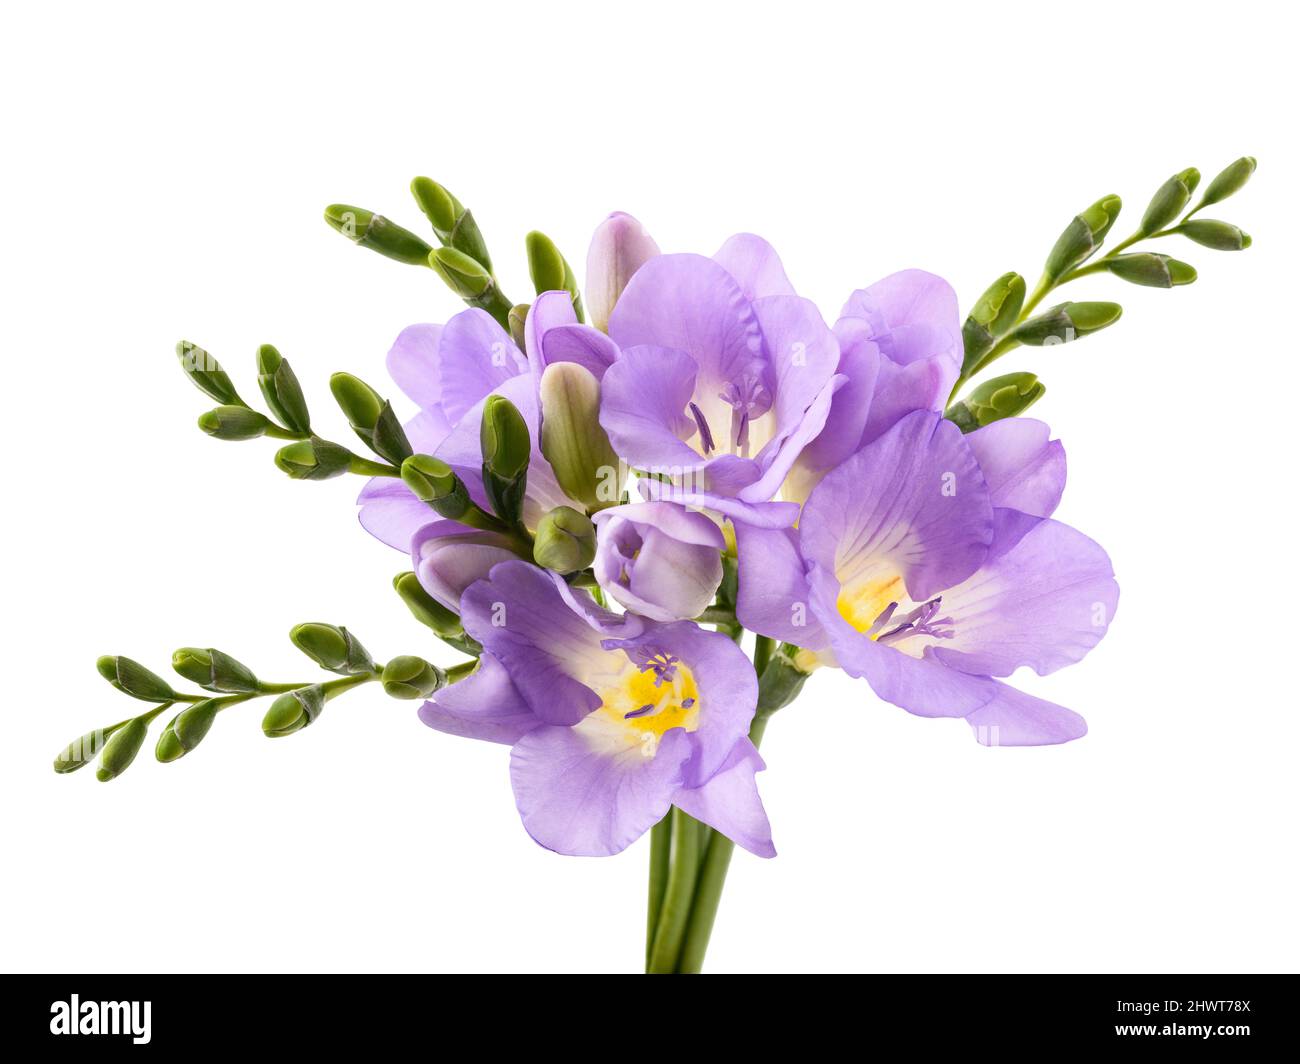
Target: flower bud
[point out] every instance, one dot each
(572, 438)
(1221, 236)
(1067, 321)
(411, 677)
(550, 271)
(281, 390)
(454, 225)
(293, 711)
(1082, 236)
(999, 397)
(121, 748)
(1151, 269)
(619, 247)
(782, 680)
(1168, 202)
(1229, 180)
(425, 608)
(132, 678)
(506, 448)
(433, 481)
(377, 233)
(994, 313)
(465, 276)
(215, 671)
(186, 730)
(80, 752)
(332, 647)
(371, 417)
(516, 325)
(207, 374)
(565, 541)
(447, 564)
(234, 423)
(313, 459)
(659, 559)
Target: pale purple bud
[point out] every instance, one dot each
(446, 564)
(618, 249)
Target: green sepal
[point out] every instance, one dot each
(374, 231)
(206, 374)
(1000, 397)
(332, 647)
(281, 390)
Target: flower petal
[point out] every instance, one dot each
(413, 364)
(1014, 718)
(485, 705)
(476, 356)
(755, 265)
(773, 596)
(642, 401)
(730, 802)
(1024, 468)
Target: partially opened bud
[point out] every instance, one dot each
(454, 225)
(1221, 236)
(619, 247)
(447, 564)
(506, 448)
(377, 233)
(550, 271)
(1067, 321)
(1000, 397)
(132, 678)
(214, 671)
(565, 541)
(1168, 202)
(1151, 269)
(993, 315)
(1082, 236)
(411, 677)
(121, 748)
(207, 374)
(313, 459)
(293, 711)
(572, 438)
(281, 390)
(1229, 180)
(234, 423)
(425, 608)
(659, 559)
(332, 647)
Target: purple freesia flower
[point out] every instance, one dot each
(659, 559)
(612, 719)
(927, 563)
(723, 375)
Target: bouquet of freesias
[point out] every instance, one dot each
(602, 492)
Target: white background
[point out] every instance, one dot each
(164, 176)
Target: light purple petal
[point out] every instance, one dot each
(1014, 718)
(485, 705)
(448, 557)
(779, 464)
(730, 802)
(1023, 466)
(619, 247)
(476, 356)
(582, 798)
(389, 511)
(906, 299)
(773, 596)
(1044, 603)
(914, 501)
(755, 265)
(901, 390)
(642, 402)
(413, 364)
(582, 344)
(846, 421)
(760, 515)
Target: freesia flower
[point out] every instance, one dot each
(659, 559)
(927, 564)
(612, 719)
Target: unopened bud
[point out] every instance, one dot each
(332, 647)
(411, 677)
(506, 447)
(371, 417)
(281, 390)
(234, 423)
(572, 438)
(1152, 270)
(550, 271)
(1229, 180)
(454, 224)
(132, 678)
(565, 541)
(1067, 321)
(1082, 236)
(1221, 236)
(121, 748)
(293, 711)
(313, 459)
(1000, 397)
(215, 671)
(1168, 202)
(994, 313)
(377, 233)
(207, 374)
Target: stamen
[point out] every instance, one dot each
(647, 708)
(706, 437)
(920, 621)
(687, 703)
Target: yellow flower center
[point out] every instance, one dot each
(862, 601)
(634, 711)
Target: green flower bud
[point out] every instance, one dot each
(1067, 321)
(454, 225)
(121, 748)
(432, 481)
(80, 752)
(515, 324)
(999, 397)
(132, 678)
(377, 233)
(313, 459)
(1221, 236)
(1082, 236)
(207, 374)
(411, 677)
(186, 730)
(425, 608)
(572, 438)
(1168, 202)
(465, 276)
(565, 542)
(1228, 181)
(234, 423)
(550, 271)
(781, 682)
(371, 417)
(215, 671)
(332, 647)
(1152, 270)
(506, 447)
(293, 711)
(993, 315)
(281, 390)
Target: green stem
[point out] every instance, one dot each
(679, 892)
(660, 846)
